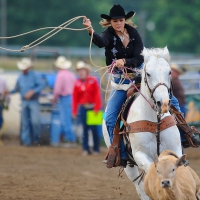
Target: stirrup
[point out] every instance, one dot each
(190, 142)
(182, 124)
(112, 158)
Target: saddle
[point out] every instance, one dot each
(112, 158)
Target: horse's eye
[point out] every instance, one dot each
(148, 75)
(170, 73)
(173, 170)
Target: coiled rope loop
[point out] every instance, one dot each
(108, 69)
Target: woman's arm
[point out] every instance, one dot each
(137, 58)
(102, 40)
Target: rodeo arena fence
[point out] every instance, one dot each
(191, 83)
(50, 114)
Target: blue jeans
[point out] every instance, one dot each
(65, 109)
(30, 122)
(183, 109)
(113, 109)
(1, 116)
(86, 128)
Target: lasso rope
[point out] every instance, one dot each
(124, 71)
(47, 35)
(54, 31)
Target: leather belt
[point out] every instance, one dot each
(88, 106)
(130, 75)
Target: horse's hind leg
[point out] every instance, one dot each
(132, 173)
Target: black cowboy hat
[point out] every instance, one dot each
(117, 12)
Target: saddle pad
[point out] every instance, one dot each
(148, 126)
(128, 104)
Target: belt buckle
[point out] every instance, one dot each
(88, 106)
(131, 75)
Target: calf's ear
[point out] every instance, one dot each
(181, 160)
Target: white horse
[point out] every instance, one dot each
(144, 144)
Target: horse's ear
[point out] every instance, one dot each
(166, 55)
(146, 55)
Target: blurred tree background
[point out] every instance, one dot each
(160, 22)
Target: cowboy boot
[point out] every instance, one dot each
(191, 141)
(112, 158)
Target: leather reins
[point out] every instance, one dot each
(152, 106)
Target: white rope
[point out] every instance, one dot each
(53, 32)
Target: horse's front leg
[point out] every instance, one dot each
(143, 149)
(142, 160)
(132, 173)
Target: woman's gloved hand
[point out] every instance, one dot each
(87, 23)
(120, 63)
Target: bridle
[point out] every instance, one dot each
(158, 112)
(156, 86)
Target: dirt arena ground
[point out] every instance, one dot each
(46, 173)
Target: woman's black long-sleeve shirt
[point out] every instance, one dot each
(114, 49)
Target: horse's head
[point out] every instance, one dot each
(157, 77)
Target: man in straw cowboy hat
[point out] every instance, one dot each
(29, 85)
(86, 96)
(63, 88)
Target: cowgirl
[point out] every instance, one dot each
(123, 44)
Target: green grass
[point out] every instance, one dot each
(10, 63)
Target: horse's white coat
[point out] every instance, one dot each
(144, 145)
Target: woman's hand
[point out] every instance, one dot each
(87, 23)
(120, 63)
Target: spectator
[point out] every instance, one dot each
(86, 96)
(4, 99)
(178, 90)
(29, 85)
(63, 89)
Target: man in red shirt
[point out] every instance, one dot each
(86, 96)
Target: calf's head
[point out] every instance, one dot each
(166, 167)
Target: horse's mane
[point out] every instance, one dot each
(156, 52)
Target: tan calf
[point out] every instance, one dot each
(169, 179)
